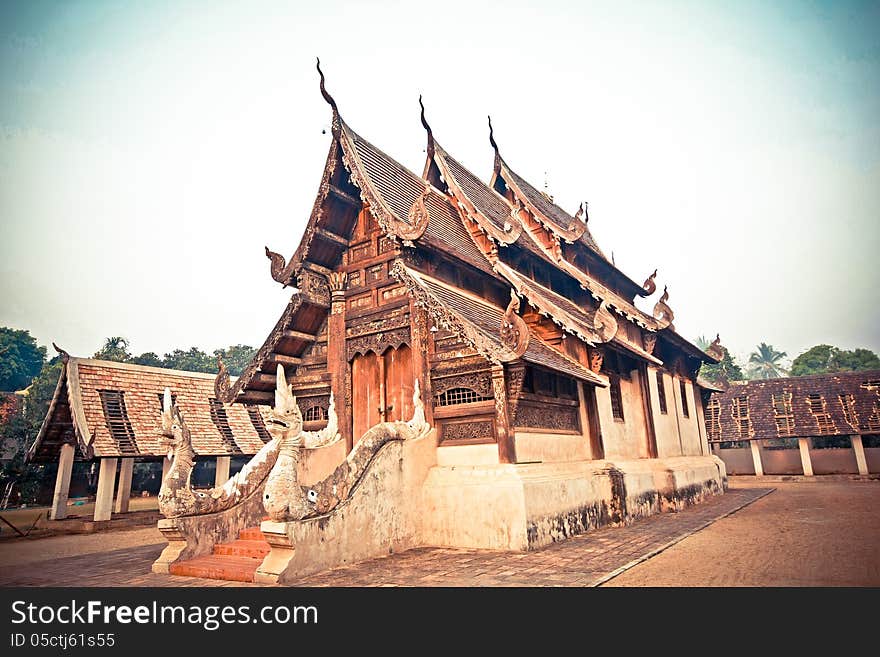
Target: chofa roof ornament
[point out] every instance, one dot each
(649, 286)
(662, 312)
(715, 350)
(514, 330)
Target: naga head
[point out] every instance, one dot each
(285, 418)
(174, 429)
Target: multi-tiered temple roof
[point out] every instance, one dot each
(501, 238)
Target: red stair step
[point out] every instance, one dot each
(215, 566)
(251, 534)
(244, 548)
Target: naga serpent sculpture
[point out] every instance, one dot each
(276, 463)
(178, 498)
(285, 500)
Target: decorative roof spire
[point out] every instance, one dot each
(494, 146)
(662, 312)
(649, 286)
(715, 349)
(330, 101)
(427, 128)
(64, 355)
(222, 384)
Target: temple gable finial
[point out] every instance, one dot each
(427, 129)
(64, 355)
(329, 100)
(649, 286)
(492, 137)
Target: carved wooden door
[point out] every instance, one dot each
(381, 389)
(398, 384)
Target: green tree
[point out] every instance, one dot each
(765, 363)
(149, 358)
(236, 357)
(193, 360)
(20, 359)
(19, 430)
(825, 359)
(115, 348)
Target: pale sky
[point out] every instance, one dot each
(148, 151)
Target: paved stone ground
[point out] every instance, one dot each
(585, 560)
(816, 533)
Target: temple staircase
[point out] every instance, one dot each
(236, 561)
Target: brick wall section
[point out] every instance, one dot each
(861, 385)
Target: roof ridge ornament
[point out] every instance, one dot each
(330, 101)
(514, 330)
(494, 144)
(715, 349)
(649, 286)
(662, 312)
(65, 357)
(430, 147)
(279, 268)
(222, 384)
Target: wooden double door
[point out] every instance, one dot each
(381, 388)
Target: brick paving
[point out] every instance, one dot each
(585, 560)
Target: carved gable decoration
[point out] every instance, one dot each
(514, 330)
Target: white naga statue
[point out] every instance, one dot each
(276, 464)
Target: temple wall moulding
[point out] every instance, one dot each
(377, 342)
(478, 381)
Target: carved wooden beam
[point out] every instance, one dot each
(331, 237)
(344, 196)
(299, 335)
(318, 269)
(257, 397)
(262, 377)
(284, 360)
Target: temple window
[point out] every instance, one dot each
(848, 403)
(823, 418)
(684, 398)
(118, 424)
(661, 392)
(259, 425)
(739, 409)
(713, 418)
(455, 396)
(783, 414)
(616, 399)
(315, 414)
(221, 421)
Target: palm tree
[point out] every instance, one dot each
(115, 348)
(765, 363)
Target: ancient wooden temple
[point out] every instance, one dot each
(495, 383)
(805, 425)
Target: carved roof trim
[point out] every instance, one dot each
(447, 305)
(502, 226)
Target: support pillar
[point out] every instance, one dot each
(504, 431)
(104, 499)
(221, 474)
(756, 457)
(62, 482)
(123, 492)
(806, 463)
(337, 361)
(859, 449)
